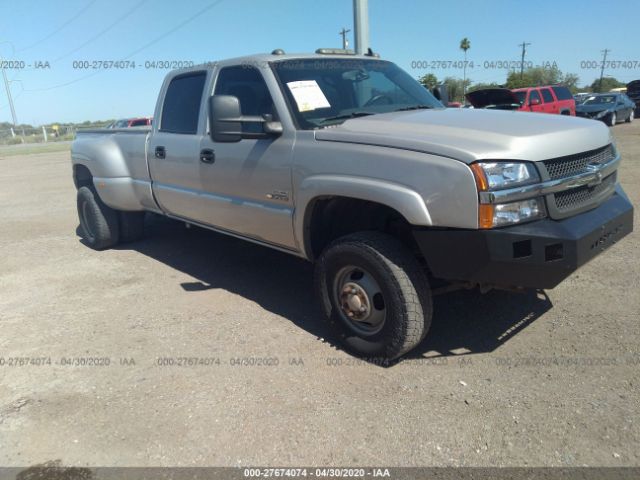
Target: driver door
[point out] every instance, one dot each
(247, 186)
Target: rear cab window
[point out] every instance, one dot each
(562, 93)
(182, 102)
(547, 96)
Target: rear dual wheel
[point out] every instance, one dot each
(102, 226)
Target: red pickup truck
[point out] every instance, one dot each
(548, 99)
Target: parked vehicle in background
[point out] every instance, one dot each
(494, 99)
(581, 97)
(132, 122)
(611, 108)
(546, 99)
(347, 161)
(633, 92)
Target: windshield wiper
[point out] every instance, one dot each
(413, 107)
(347, 116)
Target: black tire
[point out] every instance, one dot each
(406, 295)
(630, 117)
(131, 226)
(613, 119)
(98, 222)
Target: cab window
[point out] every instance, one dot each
(533, 94)
(181, 107)
(247, 84)
(547, 96)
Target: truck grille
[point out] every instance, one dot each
(577, 198)
(575, 164)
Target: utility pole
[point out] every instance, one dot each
(361, 26)
(6, 86)
(604, 60)
(524, 50)
(345, 40)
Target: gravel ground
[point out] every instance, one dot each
(503, 379)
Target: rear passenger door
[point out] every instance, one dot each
(549, 104)
(174, 146)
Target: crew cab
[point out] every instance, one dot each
(348, 162)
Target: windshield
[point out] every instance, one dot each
(600, 99)
(327, 92)
(521, 96)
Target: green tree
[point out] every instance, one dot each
(456, 88)
(482, 86)
(429, 81)
(465, 45)
(534, 77)
(570, 80)
(607, 84)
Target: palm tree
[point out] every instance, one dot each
(465, 45)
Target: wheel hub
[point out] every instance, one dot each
(358, 298)
(355, 302)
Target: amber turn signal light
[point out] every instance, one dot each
(481, 178)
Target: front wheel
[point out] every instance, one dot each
(613, 119)
(375, 295)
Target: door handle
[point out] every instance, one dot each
(207, 155)
(161, 152)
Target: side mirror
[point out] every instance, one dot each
(226, 119)
(534, 101)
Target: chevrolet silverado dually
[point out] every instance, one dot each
(348, 162)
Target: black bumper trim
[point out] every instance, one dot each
(535, 255)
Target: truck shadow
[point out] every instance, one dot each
(465, 322)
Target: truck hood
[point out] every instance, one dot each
(469, 135)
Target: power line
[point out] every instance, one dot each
(135, 52)
(44, 39)
(103, 31)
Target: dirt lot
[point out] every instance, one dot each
(503, 379)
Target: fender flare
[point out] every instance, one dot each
(404, 200)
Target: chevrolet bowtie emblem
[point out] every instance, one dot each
(597, 178)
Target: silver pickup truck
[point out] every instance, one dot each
(348, 162)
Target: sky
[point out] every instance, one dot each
(43, 44)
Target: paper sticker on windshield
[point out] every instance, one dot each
(308, 95)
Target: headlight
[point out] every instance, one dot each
(491, 176)
(603, 113)
(502, 214)
(500, 175)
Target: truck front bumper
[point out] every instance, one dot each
(535, 255)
